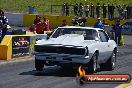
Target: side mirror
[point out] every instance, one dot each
(109, 40)
(96, 39)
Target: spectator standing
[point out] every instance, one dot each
(63, 9)
(120, 11)
(64, 23)
(81, 21)
(118, 31)
(0, 35)
(80, 9)
(105, 23)
(92, 10)
(109, 11)
(75, 21)
(39, 25)
(98, 10)
(128, 11)
(76, 9)
(46, 24)
(99, 24)
(67, 9)
(32, 28)
(124, 12)
(112, 11)
(3, 24)
(86, 9)
(106, 27)
(104, 10)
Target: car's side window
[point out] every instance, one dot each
(94, 34)
(103, 36)
(90, 34)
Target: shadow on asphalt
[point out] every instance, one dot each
(52, 71)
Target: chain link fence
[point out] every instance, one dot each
(48, 7)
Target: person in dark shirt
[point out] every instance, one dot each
(128, 11)
(124, 12)
(120, 11)
(63, 9)
(0, 34)
(109, 11)
(98, 10)
(104, 10)
(67, 9)
(3, 24)
(75, 21)
(118, 31)
(81, 9)
(64, 23)
(92, 10)
(76, 9)
(86, 9)
(81, 21)
(112, 11)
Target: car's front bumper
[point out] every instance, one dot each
(66, 58)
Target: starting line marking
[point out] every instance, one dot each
(126, 85)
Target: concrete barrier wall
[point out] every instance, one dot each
(6, 48)
(14, 46)
(15, 19)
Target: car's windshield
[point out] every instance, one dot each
(88, 34)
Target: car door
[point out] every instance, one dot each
(103, 46)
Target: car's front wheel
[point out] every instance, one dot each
(92, 66)
(39, 65)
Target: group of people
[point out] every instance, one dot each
(40, 25)
(116, 31)
(65, 9)
(124, 11)
(89, 10)
(77, 21)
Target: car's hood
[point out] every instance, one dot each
(67, 39)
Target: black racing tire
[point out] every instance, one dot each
(110, 63)
(92, 65)
(39, 65)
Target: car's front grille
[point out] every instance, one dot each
(60, 50)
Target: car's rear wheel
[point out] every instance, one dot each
(110, 63)
(39, 65)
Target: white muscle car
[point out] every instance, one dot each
(71, 46)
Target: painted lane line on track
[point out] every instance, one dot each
(128, 85)
(16, 60)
